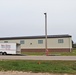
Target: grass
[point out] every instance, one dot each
(73, 53)
(38, 66)
(33, 53)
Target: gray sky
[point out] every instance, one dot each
(26, 17)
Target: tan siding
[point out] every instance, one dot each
(33, 45)
(10, 41)
(1, 41)
(52, 43)
(14, 41)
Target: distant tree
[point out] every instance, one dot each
(74, 45)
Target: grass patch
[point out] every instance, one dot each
(73, 53)
(33, 53)
(38, 66)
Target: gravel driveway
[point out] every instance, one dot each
(38, 57)
(27, 73)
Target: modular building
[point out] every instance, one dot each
(55, 43)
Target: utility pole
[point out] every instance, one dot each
(46, 50)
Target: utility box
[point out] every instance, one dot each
(10, 48)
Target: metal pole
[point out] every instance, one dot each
(46, 33)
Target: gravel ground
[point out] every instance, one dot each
(38, 57)
(27, 73)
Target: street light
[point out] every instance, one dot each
(46, 50)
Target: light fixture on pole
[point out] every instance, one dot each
(46, 50)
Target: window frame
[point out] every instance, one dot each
(40, 41)
(5, 41)
(22, 41)
(60, 41)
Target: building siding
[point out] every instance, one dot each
(52, 44)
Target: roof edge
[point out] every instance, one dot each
(35, 37)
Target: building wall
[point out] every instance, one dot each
(32, 44)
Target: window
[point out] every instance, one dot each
(40, 41)
(5, 41)
(22, 42)
(60, 41)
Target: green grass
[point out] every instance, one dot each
(73, 53)
(38, 66)
(33, 53)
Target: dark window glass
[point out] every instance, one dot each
(60, 41)
(40, 41)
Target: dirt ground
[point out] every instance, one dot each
(27, 73)
(9, 57)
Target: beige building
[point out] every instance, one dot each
(55, 43)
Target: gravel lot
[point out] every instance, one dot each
(28, 73)
(38, 57)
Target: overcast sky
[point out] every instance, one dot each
(26, 17)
